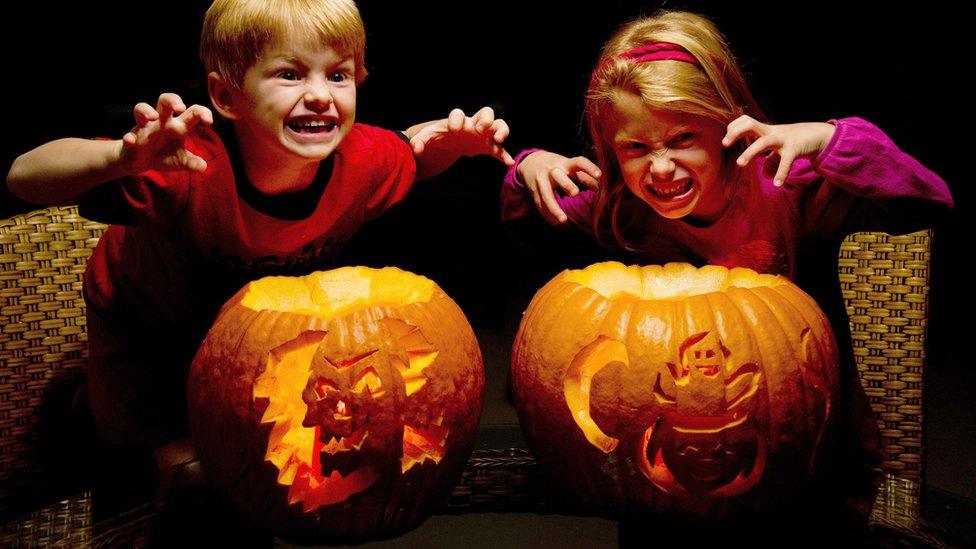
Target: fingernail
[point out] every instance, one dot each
(599, 173)
(778, 182)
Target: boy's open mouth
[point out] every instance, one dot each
(313, 125)
(667, 191)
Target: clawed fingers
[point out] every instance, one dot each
(561, 178)
(196, 114)
(742, 126)
(456, 120)
(500, 153)
(484, 118)
(766, 143)
(500, 131)
(143, 114)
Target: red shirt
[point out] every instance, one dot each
(182, 243)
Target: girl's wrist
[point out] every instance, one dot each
(518, 176)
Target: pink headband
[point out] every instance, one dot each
(655, 51)
(658, 51)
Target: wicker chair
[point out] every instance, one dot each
(42, 343)
(42, 339)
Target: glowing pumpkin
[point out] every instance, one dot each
(701, 392)
(337, 407)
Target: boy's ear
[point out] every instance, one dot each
(222, 95)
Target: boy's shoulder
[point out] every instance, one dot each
(364, 138)
(206, 143)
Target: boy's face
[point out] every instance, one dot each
(671, 160)
(299, 98)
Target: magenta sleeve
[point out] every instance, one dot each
(516, 202)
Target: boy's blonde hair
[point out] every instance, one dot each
(714, 88)
(235, 32)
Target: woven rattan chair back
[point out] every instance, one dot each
(885, 282)
(42, 335)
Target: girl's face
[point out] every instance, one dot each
(669, 159)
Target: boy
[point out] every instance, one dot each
(199, 211)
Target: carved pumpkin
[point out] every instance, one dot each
(702, 392)
(337, 407)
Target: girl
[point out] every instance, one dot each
(689, 169)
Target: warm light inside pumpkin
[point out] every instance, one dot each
(672, 281)
(420, 353)
(289, 444)
(294, 448)
(419, 444)
(335, 293)
(576, 386)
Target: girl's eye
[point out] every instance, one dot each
(683, 138)
(338, 77)
(288, 75)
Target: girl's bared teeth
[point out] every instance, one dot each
(670, 190)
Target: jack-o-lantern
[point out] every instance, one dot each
(337, 407)
(703, 392)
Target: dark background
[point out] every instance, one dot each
(78, 69)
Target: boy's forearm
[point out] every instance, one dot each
(60, 171)
(430, 162)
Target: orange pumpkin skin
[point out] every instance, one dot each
(337, 407)
(699, 392)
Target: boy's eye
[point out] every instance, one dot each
(338, 76)
(288, 75)
(683, 138)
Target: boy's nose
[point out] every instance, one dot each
(318, 95)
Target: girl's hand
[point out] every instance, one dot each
(783, 143)
(156, 142)
(460, 135)
(543, 172)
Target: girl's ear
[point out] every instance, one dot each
(222, 96)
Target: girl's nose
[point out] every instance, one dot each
(661, 164)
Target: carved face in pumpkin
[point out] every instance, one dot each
(353, 429)
(353, 399)
(695, 380)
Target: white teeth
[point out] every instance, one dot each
(313, 124)
(671, 190)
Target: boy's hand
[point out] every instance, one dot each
(543, 171)
(156, 141)
(460, 135)
(783, 143)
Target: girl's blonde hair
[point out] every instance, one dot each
(714, 88)
(235, 32)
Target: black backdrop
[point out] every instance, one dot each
(77, 69)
